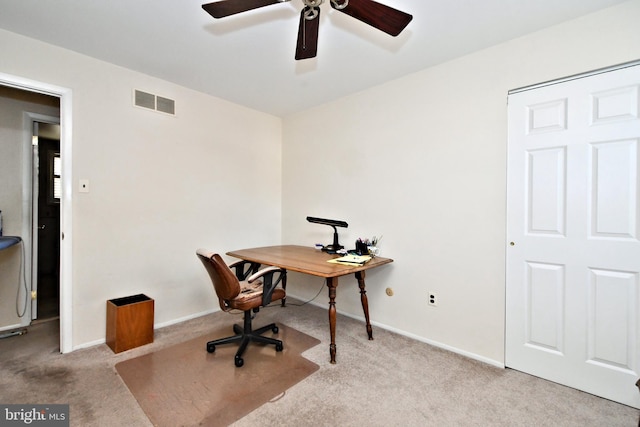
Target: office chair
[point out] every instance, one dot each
(247, 290)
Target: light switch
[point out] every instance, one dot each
(84, 186)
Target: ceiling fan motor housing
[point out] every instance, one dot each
(311, 10)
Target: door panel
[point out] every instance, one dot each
(545, 289)
(573, 264)
(614, 189)
(547, 191)
(612, 294)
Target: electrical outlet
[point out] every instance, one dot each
(433, 299)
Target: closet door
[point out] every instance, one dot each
(573, 221)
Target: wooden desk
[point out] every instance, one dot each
(314, 262)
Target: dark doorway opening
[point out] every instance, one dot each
(48, 276)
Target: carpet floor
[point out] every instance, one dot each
(390, 381)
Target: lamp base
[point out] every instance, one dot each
(332, 249)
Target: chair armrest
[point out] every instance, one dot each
(268, 282)
(244, 269)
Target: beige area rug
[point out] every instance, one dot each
(183, 385)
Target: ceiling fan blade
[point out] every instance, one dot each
(223, 8)
(384, 18)
(307, 46)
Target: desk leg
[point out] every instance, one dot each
(284, 286)
(365, 302)
(332, 283)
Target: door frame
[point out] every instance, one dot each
(576, 76)
(66, 242)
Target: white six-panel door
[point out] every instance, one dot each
(573, 230)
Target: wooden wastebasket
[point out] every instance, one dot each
(129, 322)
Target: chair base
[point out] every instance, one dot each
(245, 336)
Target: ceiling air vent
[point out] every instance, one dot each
(153, 102)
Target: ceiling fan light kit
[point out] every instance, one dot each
(377, 15)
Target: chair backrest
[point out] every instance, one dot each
(224, 281)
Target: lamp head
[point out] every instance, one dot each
(331, 222)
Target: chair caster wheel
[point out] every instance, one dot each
(275, 329)
(211, 348)
(239, 361)
(279, 347)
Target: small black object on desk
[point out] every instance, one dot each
(335, 246)
(361, 248)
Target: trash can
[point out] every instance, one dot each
(129, 322)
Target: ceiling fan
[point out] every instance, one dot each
(384, 18)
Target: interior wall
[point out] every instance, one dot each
(159, 186)
(422, 161)
(13, 160)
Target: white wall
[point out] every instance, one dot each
(160, 186)
(422, 160)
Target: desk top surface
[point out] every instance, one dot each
(303, 259)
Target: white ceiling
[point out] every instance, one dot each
(249, 58)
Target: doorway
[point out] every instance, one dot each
(573, 227)
(64, 96)
(46, 236)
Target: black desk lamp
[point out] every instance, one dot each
(335, 246)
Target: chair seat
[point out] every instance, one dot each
(250, 296)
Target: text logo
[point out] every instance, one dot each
(34, 415)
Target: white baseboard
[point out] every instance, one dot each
(10, 327)
(155, 327)
(184, 319)
(456, 350)
(89, 344)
